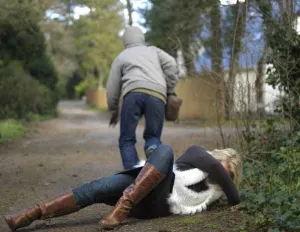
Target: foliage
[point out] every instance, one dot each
(271, 190)
(176, 25)
(28, 76)
(54, 51)
(70, 91)
(21, 39)
(285, 71)
(272, 167)
(20, 94)
(159, 19)
(10, 129)
(61, 48)
(83, 86)
(96, 37)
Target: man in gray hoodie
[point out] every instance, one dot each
(145, 76)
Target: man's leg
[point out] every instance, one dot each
(130, 115)
(154, 117)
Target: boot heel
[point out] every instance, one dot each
(23, 219)
(59, 206)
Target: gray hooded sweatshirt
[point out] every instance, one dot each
(140, 67)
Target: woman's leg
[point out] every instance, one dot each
(106, 190)
(155, 204)
(58, 206)
(149, 177)
(162, 158)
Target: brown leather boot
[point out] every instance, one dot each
(61, 205)
(148, 178)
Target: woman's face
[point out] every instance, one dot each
(226, 167)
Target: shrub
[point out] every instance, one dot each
(10, 129)
(22, 39)
(20, 94)
(82, 87)
(271, 190)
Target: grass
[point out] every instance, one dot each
(189, 220)
(36, 117)
(225, 123)
(97, 108)
(11, 129)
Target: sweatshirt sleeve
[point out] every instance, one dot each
(198, 157)
(114, 85)
(170, 69)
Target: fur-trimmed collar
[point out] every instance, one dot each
(183, 200)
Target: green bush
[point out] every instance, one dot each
(271, 190)
(22, 39)
(82, 87)
(44, 71)
(20, 94)
(10, 129)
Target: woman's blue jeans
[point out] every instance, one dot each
(108, 190)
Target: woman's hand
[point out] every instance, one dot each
(234, 208)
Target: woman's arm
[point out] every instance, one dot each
(199, 158)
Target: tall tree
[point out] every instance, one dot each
(61, 47)
(97, 39)
(129, 10)
(216, 53)
(175, 25)
(216, 38)
(259, 81)
(240, 12)
(284, 55)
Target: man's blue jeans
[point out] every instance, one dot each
(108, 190)
(134, 106)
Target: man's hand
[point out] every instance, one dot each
(114, 119)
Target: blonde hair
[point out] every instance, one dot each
(234, 160)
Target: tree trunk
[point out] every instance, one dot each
(100, 79)
(217, 56)
(286, 14)
(241, 8)
(216, 47)
(259, 82)
(188, 57)
(129, 9)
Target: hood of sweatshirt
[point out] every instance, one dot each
(133, 36)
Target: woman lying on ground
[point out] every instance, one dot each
(156, 189)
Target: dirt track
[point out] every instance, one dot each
(78, 147)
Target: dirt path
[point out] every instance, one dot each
(76, 148)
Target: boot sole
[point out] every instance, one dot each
(8, 224)
(110, 227)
